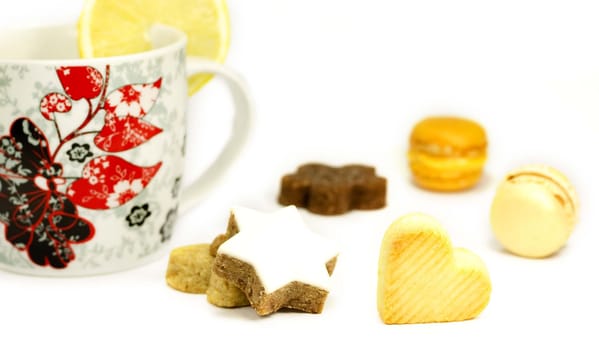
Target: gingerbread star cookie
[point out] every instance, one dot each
(422, 278)
(240, 217)
(277, 262)
(327, 190)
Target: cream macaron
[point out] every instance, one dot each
(534, 211)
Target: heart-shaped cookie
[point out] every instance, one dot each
(422, 278)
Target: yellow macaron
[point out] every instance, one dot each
(447, 153)
(534, 211)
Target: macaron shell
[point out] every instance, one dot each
(529, 220)
(457, 133)
(442, 184)
(553, 175)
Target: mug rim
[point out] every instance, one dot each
(178, 41)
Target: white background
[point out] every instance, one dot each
(343, 81)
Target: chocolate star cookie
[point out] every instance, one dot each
(327, 190)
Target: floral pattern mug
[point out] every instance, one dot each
(92, 151)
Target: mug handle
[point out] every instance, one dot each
(239, 134)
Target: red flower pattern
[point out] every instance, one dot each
(54, 102)
(133, 100)
(81, 81)
(123, 127)
(109, 182)
(39, 217)
(123, 133)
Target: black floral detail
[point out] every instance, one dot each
(9, 148)
(138, 215)
(176, 187)
(166, 230)
(79, 152)
(37, 217)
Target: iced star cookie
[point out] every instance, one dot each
(238, 217)
(221, 292)
(422, 278)
(277, 261)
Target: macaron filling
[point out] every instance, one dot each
(438, 150)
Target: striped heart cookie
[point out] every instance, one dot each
(422, 278)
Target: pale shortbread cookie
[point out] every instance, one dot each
(277, 262)
(189, 268)
(423, 279)
(224, 294)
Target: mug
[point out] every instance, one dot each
(92, 150)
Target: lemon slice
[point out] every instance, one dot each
(119, 27)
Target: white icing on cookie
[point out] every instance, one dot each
(280, 248)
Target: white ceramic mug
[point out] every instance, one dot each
(92, 150)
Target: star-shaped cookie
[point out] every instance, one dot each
(277, 261)
(327, 190)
